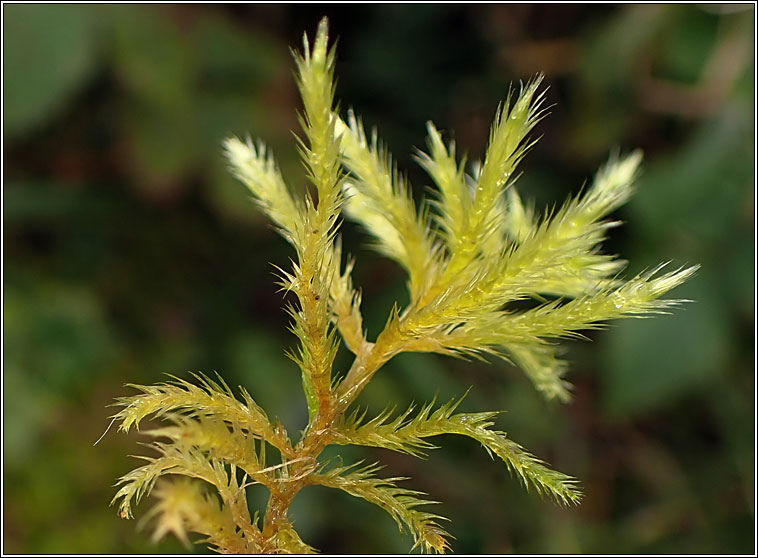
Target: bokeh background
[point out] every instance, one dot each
(130, 252)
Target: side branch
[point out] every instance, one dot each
(409, 436)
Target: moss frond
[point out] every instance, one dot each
(400, 433)
(379, 199)
(288, 541)
(256, 169)
(503, 332)
(183, 506)
(455, 195)
(484, 214)
(545, 370)
(400, 503)
(345, 303)
(209, 450)
(208, 399)
(317, 267)
(217, 440)
(532, 471)
(315, 79)
(482, 250)
(518, 221)
(560, 255)
(185, 461)
(637, 297)
(409, 436)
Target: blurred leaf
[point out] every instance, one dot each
(602, 110)
(611, 49)
(56, 335)
(166, 145)
(700, 187)
(27, 410)
(232, 59)
(685, 46)
(56, 342)
(48, 55)
(223, 114)
(651, 363)
(36, 201)
(739, 276)
(151, 56)
(154, 62)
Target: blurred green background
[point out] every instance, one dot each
(130, 252)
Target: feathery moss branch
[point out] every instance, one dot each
(316, 267)
(255, 167)
(209, 398)
(400, 503)
(505, 151)
(183, 505)
(470, 253)
(345, 303)
(379, 199)
(408, 435)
